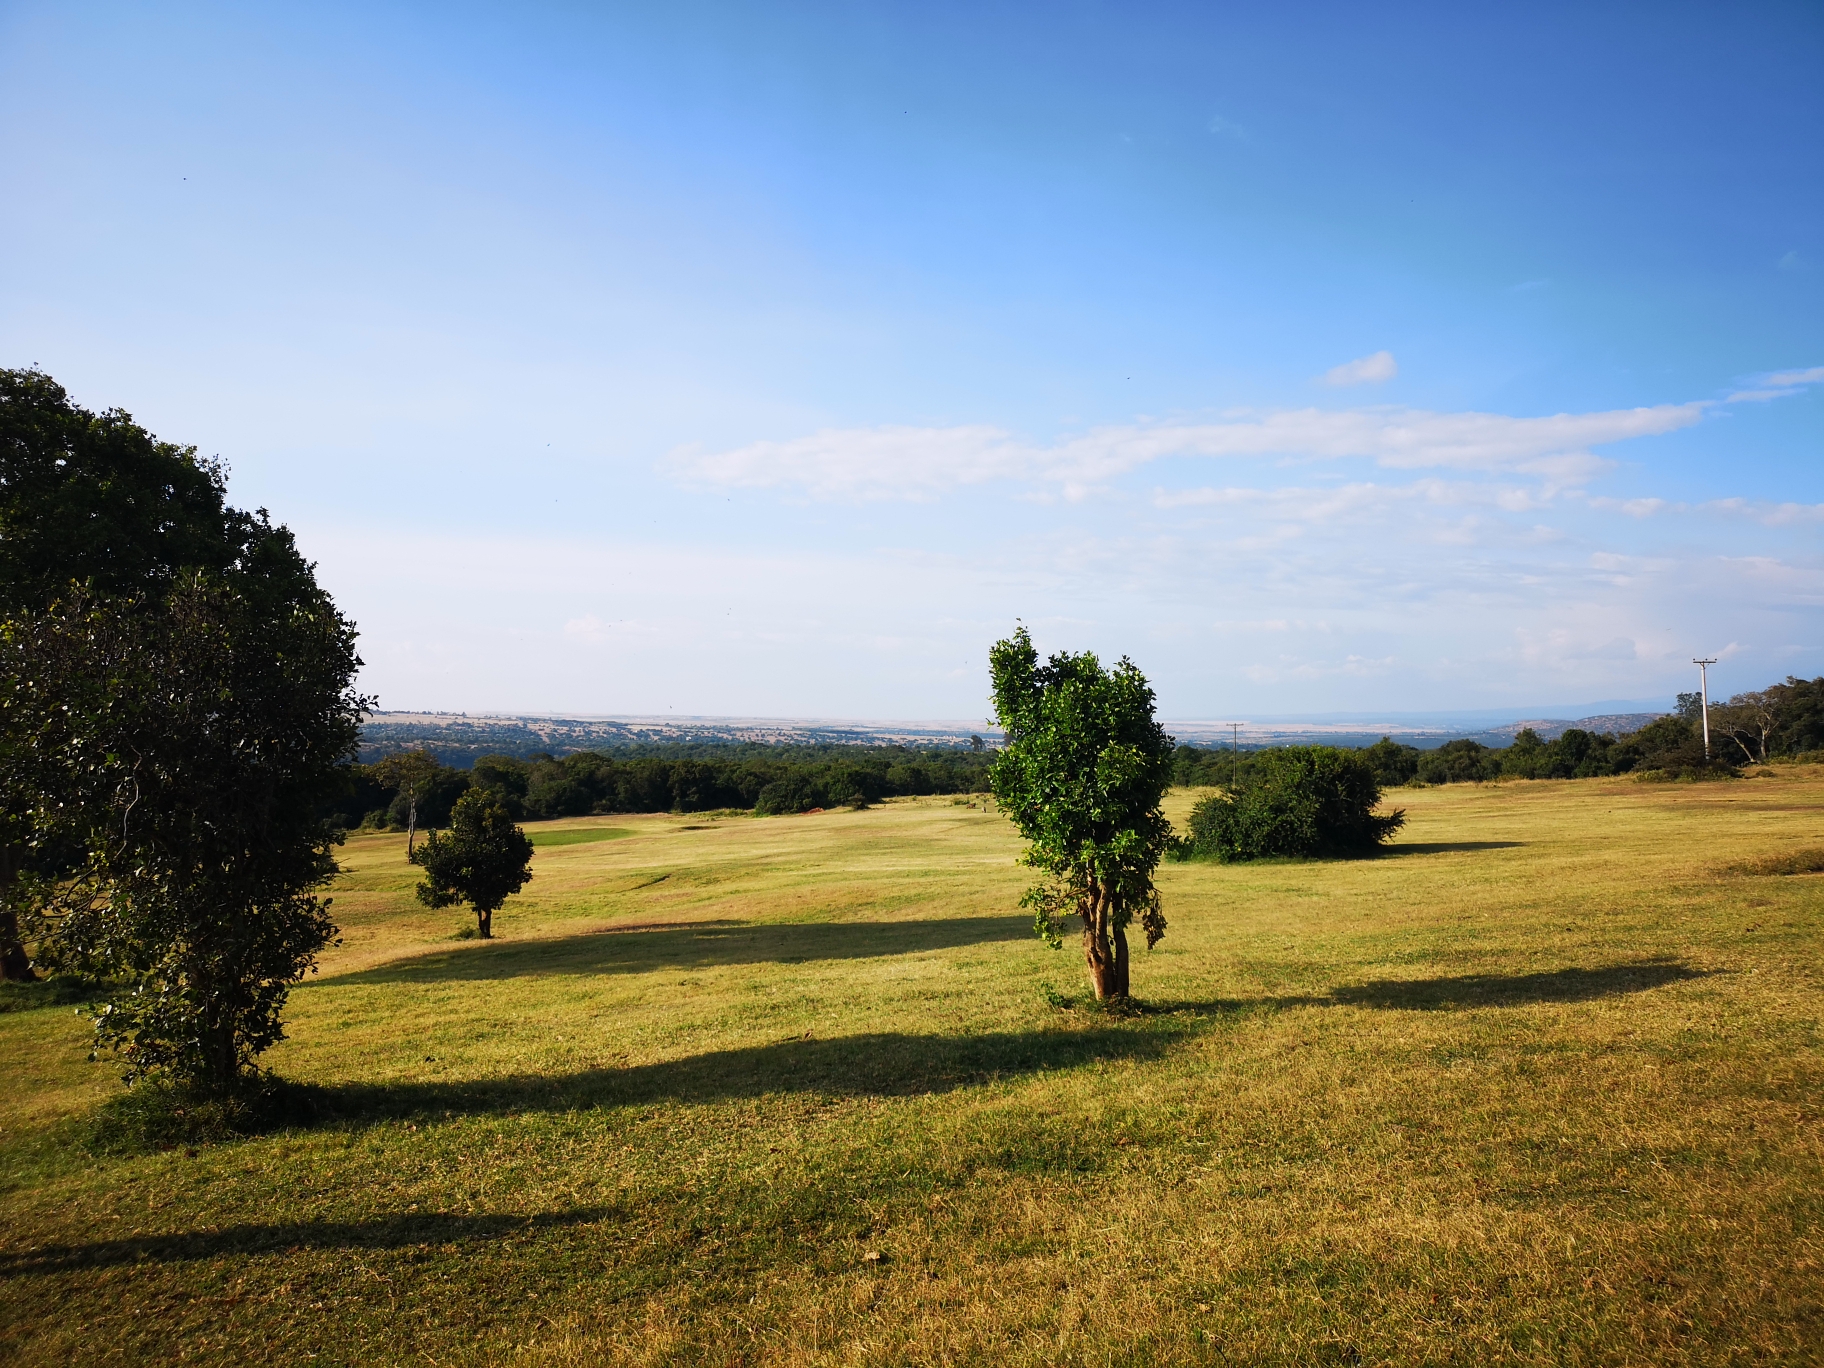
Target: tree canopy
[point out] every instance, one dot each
(1082, 774)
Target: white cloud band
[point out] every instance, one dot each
(923, 462)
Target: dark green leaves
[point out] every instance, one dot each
(482, 860)
(1297, 800)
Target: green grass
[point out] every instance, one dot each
(1541, 1085)
(544, 836)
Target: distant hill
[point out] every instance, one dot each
(460, 739)
(1551, 728)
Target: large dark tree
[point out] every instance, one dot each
(96, 499)
(1082, 773)
(91, 499)
(192, 768)
(483, 859)
(176, 705)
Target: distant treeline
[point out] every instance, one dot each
(682, 778)
(1782, 720)
(1786, 719)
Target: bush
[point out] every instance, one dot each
(1299, 800)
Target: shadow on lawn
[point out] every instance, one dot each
(384, 1232)
(1478, 990)
(882, 1064)
(687, 945)
(1514, 990)
(1443, 847)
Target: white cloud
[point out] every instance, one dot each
(1778, 386)
(1770, 514)
(1812, 376)
(1364, 370)
(864, 463)
(921, 463)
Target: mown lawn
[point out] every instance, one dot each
(1542, 1085)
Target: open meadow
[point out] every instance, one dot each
(1540, 1085)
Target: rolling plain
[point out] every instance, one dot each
(1542, 1084)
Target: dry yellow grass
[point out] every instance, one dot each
(1541, 1086)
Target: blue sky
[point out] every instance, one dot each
(773, 360)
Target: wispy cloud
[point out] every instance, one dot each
(1770, 514)
(1364, 370)
(1778, 386)
(924, 462)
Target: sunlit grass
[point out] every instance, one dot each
(1541, 1085)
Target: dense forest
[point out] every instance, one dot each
(1784, 720)
(678, 778)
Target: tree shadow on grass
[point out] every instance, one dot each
(1459, 991)
(384, 1232)
(1443, 847)
(1516, 990)
(881, 1064)
(691, 945)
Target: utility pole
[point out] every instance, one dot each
(1703, 684)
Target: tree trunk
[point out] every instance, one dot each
(1107, 958)
(15, 964)
(484, 922)
(411, 825)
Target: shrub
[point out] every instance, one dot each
(1300, 800)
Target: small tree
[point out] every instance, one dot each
(1298, 800)
(483, 859)
(1081, 773)
(411, 772)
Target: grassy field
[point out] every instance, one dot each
(1542, 1085)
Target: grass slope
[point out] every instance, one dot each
(1540, 1086)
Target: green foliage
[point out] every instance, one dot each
(1457, 762)
(187, 745)
(482, 860)
(1393, 763)
(767, 779)
(1782, 719)
(176, 704)
(97, 500)
(1801, 722)
(1298, 800)
(1082, 775)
